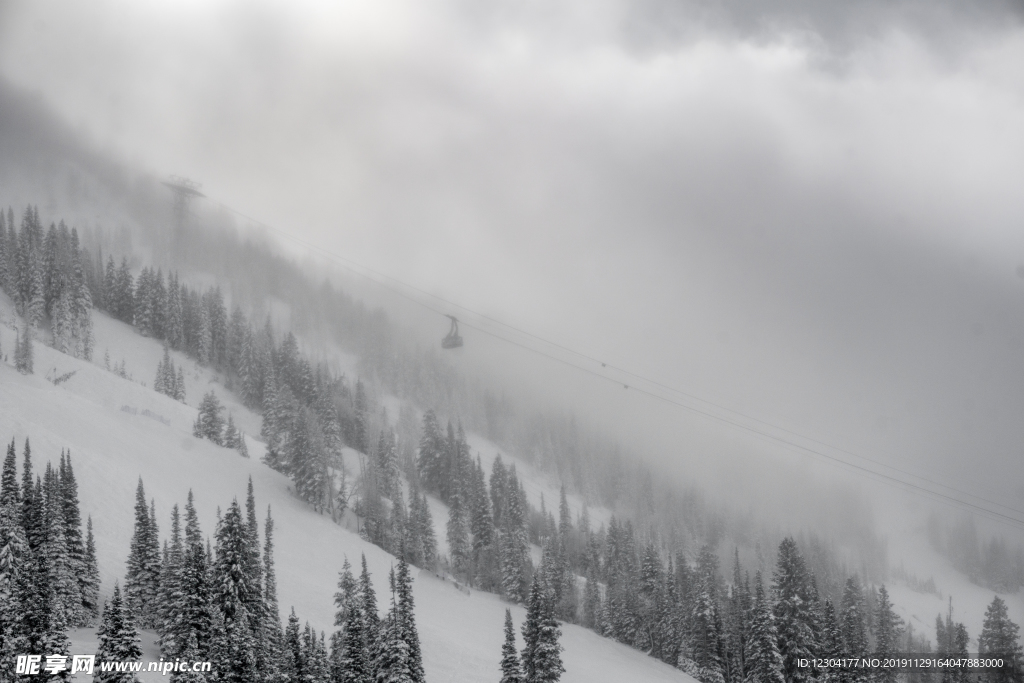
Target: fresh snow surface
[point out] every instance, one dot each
(99, 417)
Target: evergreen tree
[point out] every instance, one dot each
(273, 635)
(90, 577)
(209, 424)
(235, 594)
(793, 611)
(119, 641)
(852, 626)
(514, 544)
(511, 671)
(888, 633)
(764, 662)
(542, 660)
(195, 616)
(999, 636)
(406, 621)
(231, 436)
(142, 581)
(423, 546)
(458, 537)
(430, 461)
(23, 352)
(170, 589)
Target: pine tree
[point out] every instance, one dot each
(888, 633)
(514, 544)
(231, 433)
(542, 661)
(407, 621)
(430, 461)
(234, 594)
(422, 528)
(23, 352)
(350, 657)
(209, 424)
(273, 635)
(999, 636)
(13, 567)
(792, 611)
(764, 662)
(195, 615)
(852, 626)
(91, 577)
(75, 547)
(119, 641)
(387, 462)
(458, 538)
(142, 581)
(511, 671)
(170, 589)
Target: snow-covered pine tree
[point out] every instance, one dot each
(273, 634)
(485, 557)
(174, 331)
(511, 671)
(293, 659)
(119, 641)
(158, 380)
(499, 493)
(852, 626)
(1000, 636)
(170, 590)
(179, 385)
(424, 524)
(407, 621)
(830, 642)
(76, 550)
(764, 661)
(234, 594)
(792, 610)
(308, 461)
(23, 352)
(369, 600)
(209, 423)
(142, 580)
(387, 461)
(230, 433)
(514, 543)
(13, 561)
(459, 548)
(124, 294)
(430, 461)
(888, 634)
(90, 577)
(541, 656)
(349, 662)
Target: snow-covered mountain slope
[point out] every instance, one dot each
(100, 418)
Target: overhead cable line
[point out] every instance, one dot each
(403, 289)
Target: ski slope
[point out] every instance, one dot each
(100, 418)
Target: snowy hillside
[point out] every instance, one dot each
(117, 429)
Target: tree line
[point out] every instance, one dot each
(49, 579)
(43, 271)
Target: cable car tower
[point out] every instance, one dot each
(185, 191)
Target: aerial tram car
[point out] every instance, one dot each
(453, 340)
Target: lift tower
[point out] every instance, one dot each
(185, 191)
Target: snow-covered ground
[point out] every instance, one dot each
(99, 417)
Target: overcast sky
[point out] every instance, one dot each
(809, 212)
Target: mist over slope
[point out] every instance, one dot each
(118, 430)
(128, 215)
